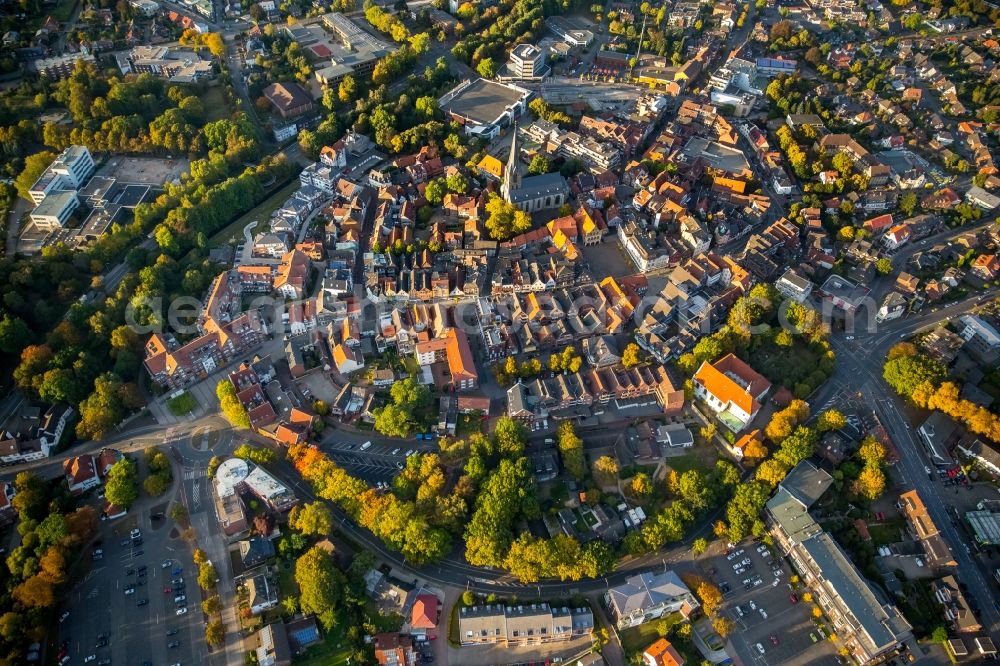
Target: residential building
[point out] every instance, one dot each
(81, 474)
(936, 549)
(61, 67)
(956, 607)
(982, 340)
(255, 550)
(511, 626)
(869, 627)
(662, 653)
(732, 389)
(272, 646)
(424, 616)
(648, 596)
(986, 454)
(794, 286)
(392, 649)
(262, 593)
(452, 348)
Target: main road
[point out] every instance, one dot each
(859, 363)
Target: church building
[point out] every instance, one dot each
(534, 193)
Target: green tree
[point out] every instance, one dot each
(487, 68)
(884, 266)
(571, 449)
(539, 165)
(320, 585)
(699, 546)
(34, 165)
(215, 633)
(314, 518)
(207, 576)
(906, 373)
(258, 454)
(230, 404)
(120, 485)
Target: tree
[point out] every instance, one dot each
(212, 605)
(906, 373)
(156, 484)
(939, 635)
(631, 356)
(641, 485)
(539, 165)
(34, 165)
(504, 221)
(871, 451)
(871, 482)
(571, 448)
(207, 576)
(486, 68)
(884, 266)
(347, 89)
(320, 585)
(215, 633)
(606, 470)
(314, 518)
(468, 598)
(258, 454)
(35, 592)
(831, 419)
(120, 485)
(723, 625)
(230, 404)
(699, 546)
(908, 203)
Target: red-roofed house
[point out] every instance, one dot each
(897, 236)
(879, 223)
(732, 389)
(662, 653)
(106, 460)
(425, 614)
(81, 474)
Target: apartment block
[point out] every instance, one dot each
(870, 627)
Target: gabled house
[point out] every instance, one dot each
(81, 474)
(648, 596)
(731, 389)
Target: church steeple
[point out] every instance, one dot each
(511, 172)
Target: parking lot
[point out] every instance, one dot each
(773, 623)
(135, 627)
(374, 462)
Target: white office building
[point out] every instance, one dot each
(69, 171)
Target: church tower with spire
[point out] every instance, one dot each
(511, 172)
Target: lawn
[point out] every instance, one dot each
(215, 105)
(260, 214)
(330, 652)
(886, 532)
(641, 637)
(686, 462)
(182, 404)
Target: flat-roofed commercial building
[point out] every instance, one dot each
(485, 107)
(869, 626)
(55, 209)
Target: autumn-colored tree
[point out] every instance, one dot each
(606, 470)
(723, 625)
(641, 485)
(215, 633)
(35, 592)
(871, 482)
(755, 449)
(871, 451)
(783, 423)
(631, 355)
(771, 472)
(831, 419)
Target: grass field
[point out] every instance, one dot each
(215, 104)
(182, 404)
(687, 462)
(261, 214)
(886, 532)
(641, 637)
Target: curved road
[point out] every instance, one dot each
(857, 365)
